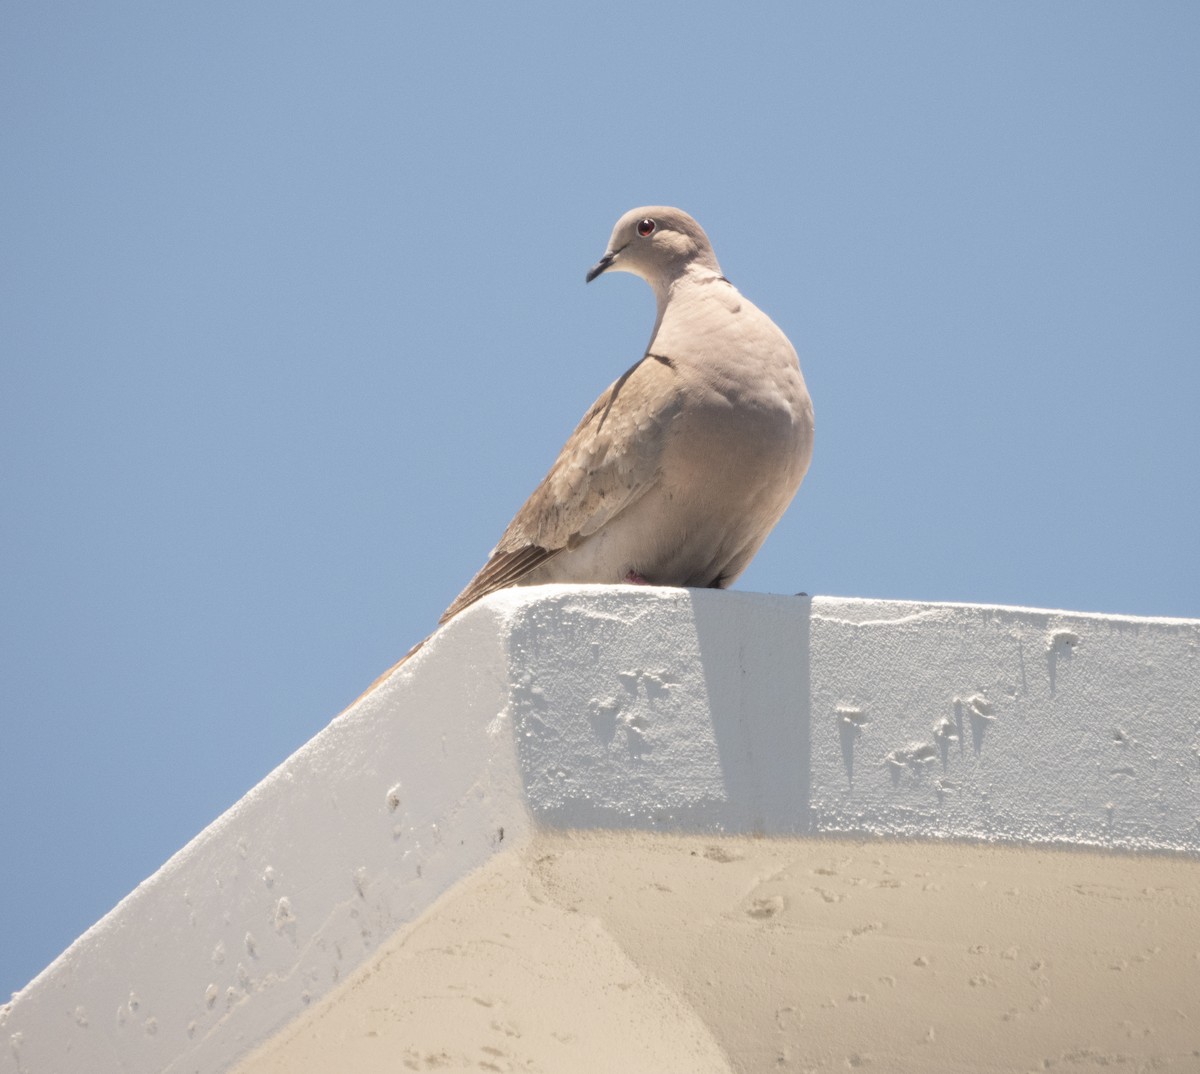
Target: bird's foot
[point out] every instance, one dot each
(633, 578)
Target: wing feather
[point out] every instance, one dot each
(607, 464)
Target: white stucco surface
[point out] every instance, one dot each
(622, 707)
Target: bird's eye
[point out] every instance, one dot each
(646, 228)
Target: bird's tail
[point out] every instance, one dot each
(411, 652)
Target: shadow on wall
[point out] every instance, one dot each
(757, 665)
(685, 710)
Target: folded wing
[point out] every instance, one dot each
(609, 462)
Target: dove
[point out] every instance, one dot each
(678, 472)
(681, 468)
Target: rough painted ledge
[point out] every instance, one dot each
(630, 708)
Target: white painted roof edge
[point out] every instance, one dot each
(613, 706)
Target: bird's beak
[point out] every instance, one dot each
(600, 266)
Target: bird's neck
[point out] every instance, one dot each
(685, 287)
(696, 275)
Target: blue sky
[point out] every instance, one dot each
(293, 319)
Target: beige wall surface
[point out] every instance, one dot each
(629, 951)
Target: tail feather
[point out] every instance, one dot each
(411, 652)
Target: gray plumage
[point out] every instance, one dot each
(678, 472)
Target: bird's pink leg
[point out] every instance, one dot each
(633, 578)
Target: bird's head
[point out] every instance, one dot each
(657, 243)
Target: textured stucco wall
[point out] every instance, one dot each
(625, 707)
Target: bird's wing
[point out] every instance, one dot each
(609, 462)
